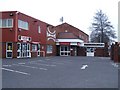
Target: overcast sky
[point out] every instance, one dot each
(78, 13)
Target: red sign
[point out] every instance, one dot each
(64, 43)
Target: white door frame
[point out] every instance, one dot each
(66, 53)
(21, 51)
(11, 51)
(28, 50)
(90, 52)
(38, 51)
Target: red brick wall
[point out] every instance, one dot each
(51, 42)
(99, 52)
(15, 50)
(33, 29)
(74, 30)
(115, 52)
(7, 34)
(81, 51)
(4, 50)
(12, 35)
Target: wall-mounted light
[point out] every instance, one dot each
(11, 14)
(35, 20)
(11, 29)
(52, 26)
(19, 29)
(42, 47)
(48, 25)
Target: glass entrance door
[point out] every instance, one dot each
(64, 51)
(23, 50)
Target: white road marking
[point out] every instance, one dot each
(6, 65)
(30, 67)
(47, 59)
(57, 63)
(84, 66)
(21, 63)
(36, 61)
(15, 71)
(115, 65)
(43, 64)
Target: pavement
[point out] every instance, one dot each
(59, 72)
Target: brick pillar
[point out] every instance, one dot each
(105, 51)
(119, 54)
(116, 46)
(112, 51)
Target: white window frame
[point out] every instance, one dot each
(34, 47)
(6, 24)
(49, 49)
(23, 25)
(39, 29)
(19, 50)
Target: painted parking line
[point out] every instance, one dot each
(115, 64)
(21, 63)
(6, 65)
(47, 59)
(11, 70)
(57, 63)
(37, 61)
(30, 67)
(43, 64)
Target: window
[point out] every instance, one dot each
(34, 47)
(6, 23)
(49, 48)
(9, 22)
(22, 24)
(9, 48)
(39, 30)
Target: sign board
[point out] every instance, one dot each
(73, 43)
(64, 43)
(24, 38)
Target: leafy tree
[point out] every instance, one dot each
(102, 30)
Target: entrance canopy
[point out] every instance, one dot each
(77, 42)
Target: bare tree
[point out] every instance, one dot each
(102, 30)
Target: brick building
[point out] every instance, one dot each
(24, 37)
(67, 39)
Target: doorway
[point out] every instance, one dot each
(23, 50)
(90, 51)
(64, 50)
(73, 51)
